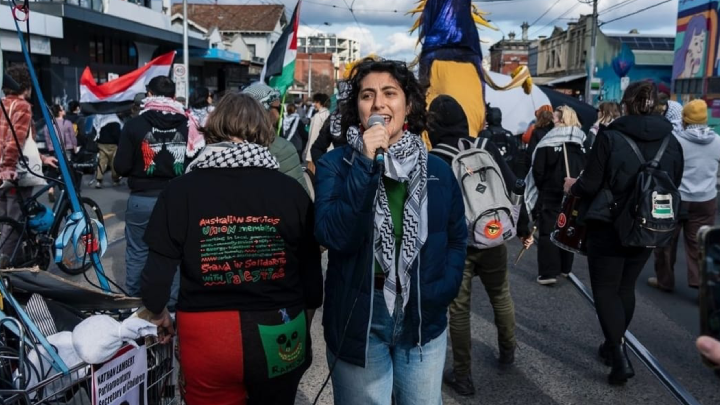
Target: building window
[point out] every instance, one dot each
(251, 49)
(111, 51)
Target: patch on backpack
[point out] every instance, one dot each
(481, 188)
(493, 229)
(562, 220)
(662, 207)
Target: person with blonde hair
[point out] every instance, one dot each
(608, 112)
(560, 154)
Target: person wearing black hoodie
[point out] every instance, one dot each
(152, 151)
(447, 125)
(612, 165)
(504, 140)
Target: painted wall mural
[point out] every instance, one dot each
(689, 56)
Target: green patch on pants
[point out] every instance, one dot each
(284, 345)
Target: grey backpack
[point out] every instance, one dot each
(490, 214)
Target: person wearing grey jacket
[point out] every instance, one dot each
(281, 148)
(698, 190)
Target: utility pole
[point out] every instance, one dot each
(593, 41)
(309, 76)
(186, 54)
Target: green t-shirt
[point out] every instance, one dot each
(396, 193)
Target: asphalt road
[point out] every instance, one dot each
(557, 331)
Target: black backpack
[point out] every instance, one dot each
(650, 215)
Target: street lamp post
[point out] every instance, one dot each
(593, 40)
(186, 53)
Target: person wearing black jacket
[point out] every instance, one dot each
(152, 151)
(543, 125)
(107, 129)
(560, 150)
(250, 265)
(613, 166)
(504, 140)
(330, 137)
(447, 125)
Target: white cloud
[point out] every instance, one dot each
(382, 26)
(364, 36)
(400, 44)
(306, 31)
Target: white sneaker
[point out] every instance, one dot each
(546, 280)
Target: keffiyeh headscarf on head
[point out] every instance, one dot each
(674, 115)
(167, 105)
(263, 93)
(406, 162)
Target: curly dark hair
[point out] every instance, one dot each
(414, 93)
(640, 98)
(21, 75)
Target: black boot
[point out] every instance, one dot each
(604, 354)
(621, 368)
(630, 369)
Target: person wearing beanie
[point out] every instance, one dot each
(701, 152)
(283, 150)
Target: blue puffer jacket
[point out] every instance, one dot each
(346, 184)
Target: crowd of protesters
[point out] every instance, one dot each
(223, 234)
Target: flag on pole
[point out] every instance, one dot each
(117, 95)
(279, 70)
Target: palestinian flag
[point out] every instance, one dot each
(118, 95)
(279, 70)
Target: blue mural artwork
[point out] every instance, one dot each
(625, 61)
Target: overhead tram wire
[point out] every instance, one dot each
(362, 32)
(556, 19)
(543, 14)
(636, 12)
(616, 6)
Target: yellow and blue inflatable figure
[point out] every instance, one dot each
(451, 58)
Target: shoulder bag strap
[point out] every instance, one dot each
(634, 147)
(658, 155)
(445, 150)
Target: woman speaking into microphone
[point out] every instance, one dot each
(396, 237)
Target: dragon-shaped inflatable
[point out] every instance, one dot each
(450, 61)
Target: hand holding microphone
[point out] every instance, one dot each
(376, 139)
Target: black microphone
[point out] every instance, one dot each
(379, 152)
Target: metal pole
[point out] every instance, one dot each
(186, 52)
(309, 76)
(593, 40)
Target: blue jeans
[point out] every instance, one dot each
(395, 367)
(137, 216)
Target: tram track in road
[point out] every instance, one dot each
(679, 392)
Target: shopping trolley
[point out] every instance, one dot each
(75, 387)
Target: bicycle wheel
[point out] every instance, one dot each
(15, 250)
(76, 259)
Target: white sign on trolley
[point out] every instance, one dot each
(122, 379)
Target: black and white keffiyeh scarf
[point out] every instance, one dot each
(406, 162)
(232, 155)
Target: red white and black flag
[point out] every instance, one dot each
(118, 95)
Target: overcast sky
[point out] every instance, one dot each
(382, 26)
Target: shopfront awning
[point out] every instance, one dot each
(212, 55)
(566, 79)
